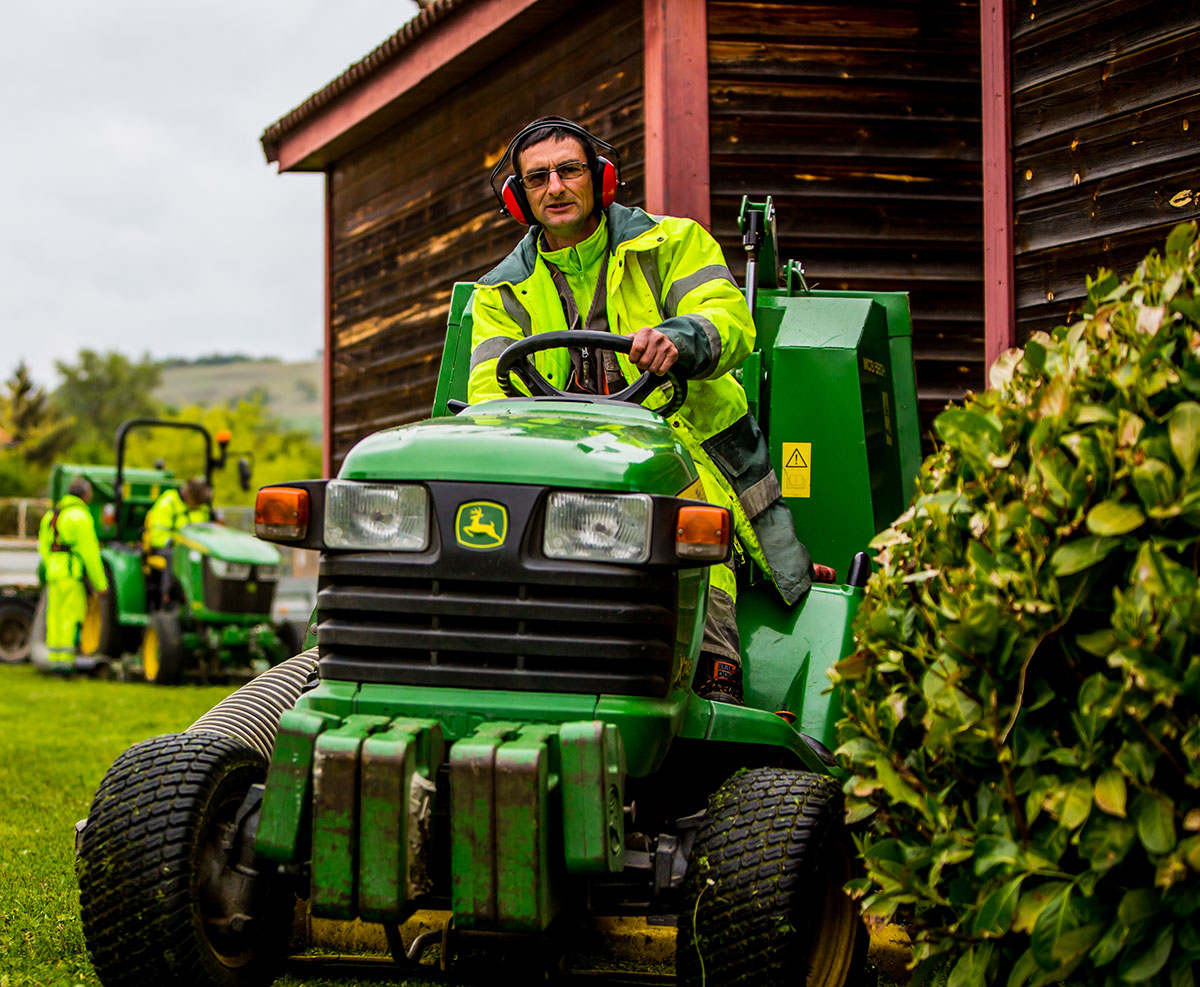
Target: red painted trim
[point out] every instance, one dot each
(308, 146)
(676, 108)
(999, 309)
(327, 361)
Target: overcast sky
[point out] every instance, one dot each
(137, 211)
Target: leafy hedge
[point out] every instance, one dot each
(1022, 707)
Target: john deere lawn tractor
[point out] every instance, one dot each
(497, 723)
(217, 619)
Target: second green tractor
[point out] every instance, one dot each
(216, 621)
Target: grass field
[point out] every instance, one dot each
(57, 740)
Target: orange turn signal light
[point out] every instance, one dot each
(702, 532)
(281, 512)
(224, 437)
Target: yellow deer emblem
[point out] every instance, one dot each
(481, 524)
(478, 526)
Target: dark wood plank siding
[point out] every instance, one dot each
(412, 211)
(863, 123)
(1106, 115)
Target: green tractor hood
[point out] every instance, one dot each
(598, 445)
(227, 544)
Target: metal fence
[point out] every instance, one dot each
(20, 516)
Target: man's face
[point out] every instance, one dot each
(564, 209)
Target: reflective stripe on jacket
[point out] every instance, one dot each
(668, 273)
(76, 550)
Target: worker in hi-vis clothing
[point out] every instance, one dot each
(174, 509)
(69, 549)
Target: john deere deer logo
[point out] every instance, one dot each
(481, 524)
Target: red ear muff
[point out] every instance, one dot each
(606, 182)
(515, 202)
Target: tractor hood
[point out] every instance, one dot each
(590, 444)
(227, 544)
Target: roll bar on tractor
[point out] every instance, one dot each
(211, 462)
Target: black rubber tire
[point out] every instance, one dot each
(291, 641)
(777, 855)
(168, 633)
(16, 629)
(150, 866)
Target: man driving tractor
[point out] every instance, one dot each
(190, 504)
(589, 263)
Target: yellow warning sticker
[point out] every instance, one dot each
(797, 469)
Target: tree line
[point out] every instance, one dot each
(77, 423)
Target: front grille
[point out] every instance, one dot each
(237, 595)
(589, 628)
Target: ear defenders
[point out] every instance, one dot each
(606, 177)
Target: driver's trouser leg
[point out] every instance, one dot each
(720, 626)
(719, 669)
(719, 676)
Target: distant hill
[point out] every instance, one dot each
(292, 390)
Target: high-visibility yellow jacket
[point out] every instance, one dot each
(668, 273)
(68, 546)
(167, 516)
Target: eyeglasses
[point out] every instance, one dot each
(567, 171)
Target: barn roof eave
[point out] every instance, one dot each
(445, 43)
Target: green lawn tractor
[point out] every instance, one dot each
(497, 726)
(217, 621)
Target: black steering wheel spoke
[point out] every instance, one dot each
(514, 360)
(531, 378)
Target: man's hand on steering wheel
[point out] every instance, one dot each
(654, 354)
(652, 351)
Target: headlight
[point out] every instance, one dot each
(268, 573)
(376, 516)
(599, 527)
(229, 570)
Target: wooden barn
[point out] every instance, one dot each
(982, 157)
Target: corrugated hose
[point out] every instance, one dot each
(251, 714)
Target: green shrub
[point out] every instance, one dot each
(1022, 707)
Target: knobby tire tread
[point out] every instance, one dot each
(136, 862)
(763, 844)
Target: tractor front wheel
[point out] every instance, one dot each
(168, 890)
(764, 903)
(162, 648)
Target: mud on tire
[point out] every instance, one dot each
(157, 891)
(776, 854)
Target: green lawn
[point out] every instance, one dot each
(57, 740)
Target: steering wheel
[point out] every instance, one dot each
(512, 360)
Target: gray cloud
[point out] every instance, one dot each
(136, 209)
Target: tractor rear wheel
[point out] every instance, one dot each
(764, 903)
(162, 648)
(102, 633)
(166, 892)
